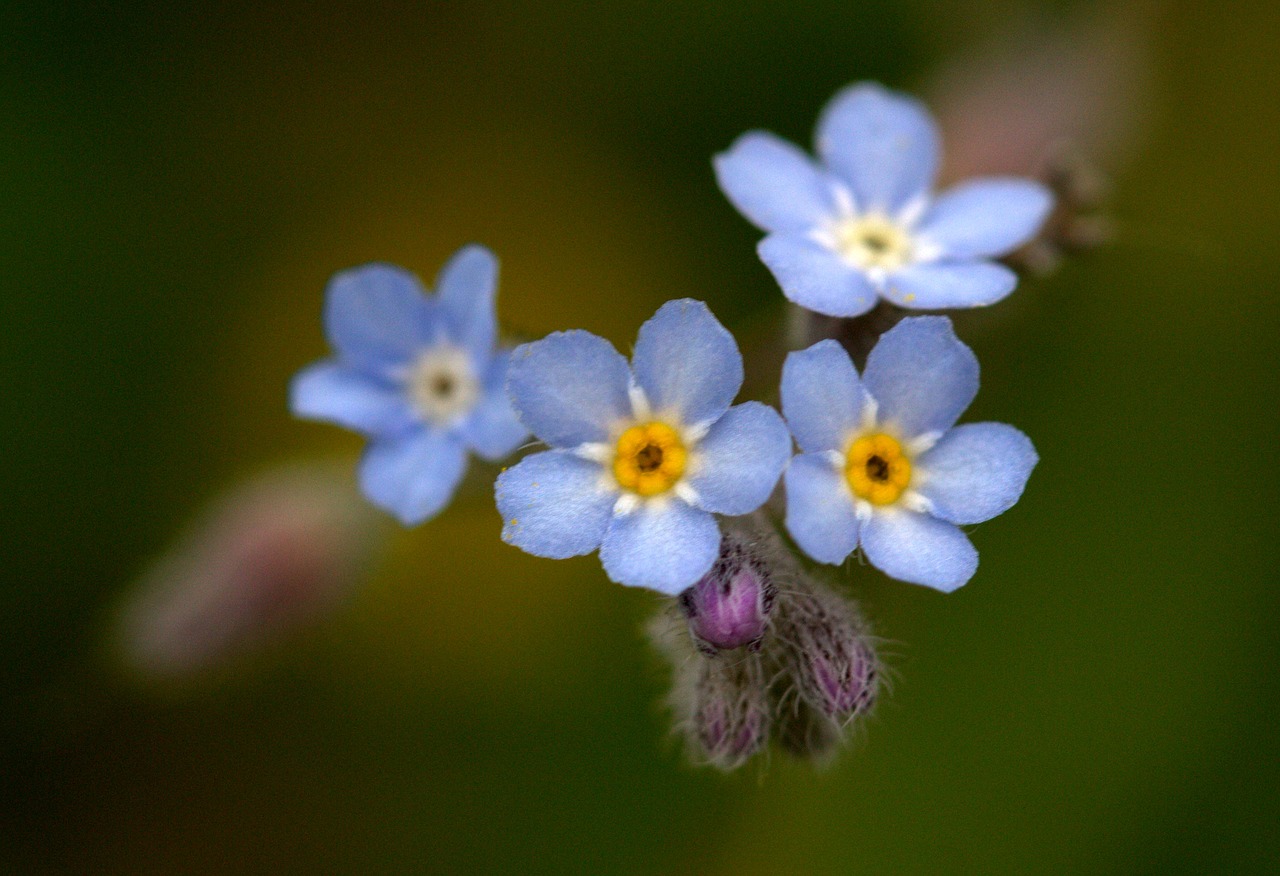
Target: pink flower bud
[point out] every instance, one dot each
(729, 607)
(274, 553)
(808, 669)
(721, 702)
(826, 651)
(730, 716)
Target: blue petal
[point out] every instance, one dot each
(738, 463)
(687, 363)
(884, 144)
(919, 549)
(773, 183)
(943, 285)
(555, 504)
(662, 545)
(493, 431)
(921, 376)
(985, 218)
(820, 510)
(976, 471)
(822, 397)
(339, 394)
(569, 388)
(466, 288)
(815, 277)
(413, 475)
(377, 316)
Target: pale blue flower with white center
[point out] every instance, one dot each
(421, 375)
(882, 464)
(864, 223)
(643, 456)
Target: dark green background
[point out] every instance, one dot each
(177, 187)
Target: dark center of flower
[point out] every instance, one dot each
(877, 243)
(443, 386)
(649, 458)
(874, 241)
(877, 468)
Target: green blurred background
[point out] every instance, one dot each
(179, 185)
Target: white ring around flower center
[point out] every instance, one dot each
(442, 384)
(873, 241)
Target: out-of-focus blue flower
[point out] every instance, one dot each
(882, 463)
(421, 376)
(864, 224)
(642, 456)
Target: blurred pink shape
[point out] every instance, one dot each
(275, 553)
(1057, 105)
(1008, 108)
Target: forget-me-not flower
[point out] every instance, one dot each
(421, 376)
(864, 224)
(643, 455)
(882, 464)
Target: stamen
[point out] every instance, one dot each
(873, 241)
(649, 459)
(877, 469)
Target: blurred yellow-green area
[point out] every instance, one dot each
(179, 184)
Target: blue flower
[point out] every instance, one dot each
(642, 456)
(882, 463)
(421, 376)
(865, 225)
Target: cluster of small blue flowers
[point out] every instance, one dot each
(651, 462)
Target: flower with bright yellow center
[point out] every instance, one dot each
(873, 241)
(650, 458)
(877, 469)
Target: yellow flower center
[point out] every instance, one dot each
(877, 469)
(874, 242)
(650, 459)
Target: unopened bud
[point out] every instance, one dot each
(805, 733)
(274, 553)
(730, 606)
(826, 651)
(759, 649)
(729, 719)
(721, 704)
(1078, 221)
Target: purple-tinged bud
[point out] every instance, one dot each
(845, 677)
(730, 716)
(805, 733)
(804, 666)
(826, 651)
(721, 704)
(730, 606)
